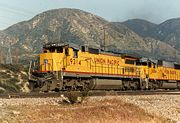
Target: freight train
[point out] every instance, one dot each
(66, 66)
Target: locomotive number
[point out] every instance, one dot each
(75, 62)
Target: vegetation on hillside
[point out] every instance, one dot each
(13, 78)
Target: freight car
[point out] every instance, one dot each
(66, 66)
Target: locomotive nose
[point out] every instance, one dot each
(50, 62)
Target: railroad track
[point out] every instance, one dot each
(90, 93)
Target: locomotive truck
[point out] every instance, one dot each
(66, 66)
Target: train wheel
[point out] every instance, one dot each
(45, 87)
(31, 86)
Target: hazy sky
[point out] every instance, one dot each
(157, 11)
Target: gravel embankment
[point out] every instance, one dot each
(165, 106)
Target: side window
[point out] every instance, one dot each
(66, 51)
(83, 48)
(127, 61)
(154, 65)
(149, 64)
(94, 51)
(75, 53)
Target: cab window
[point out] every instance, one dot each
(66, 51)
(75, 53)
(52, 50)
(59, 50)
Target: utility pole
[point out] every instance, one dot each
(104, 37)
(16, 59)
(9, 56)
(1, 57)
(174, 53)
(104, 43)
(90, 33)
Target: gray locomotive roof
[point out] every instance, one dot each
(72, 45)
(115, 53)
(57, 44)
(149, 60)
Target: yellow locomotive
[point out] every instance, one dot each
(66, 66)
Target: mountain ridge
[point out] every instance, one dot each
(167, 31)
(77, 26)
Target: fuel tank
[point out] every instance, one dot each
(106, 84)
(169, 85)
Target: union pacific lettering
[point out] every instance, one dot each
(99, 61)
(170, 72)
(106, 61)
(113, 62)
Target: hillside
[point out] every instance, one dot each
(168, 31)
(70, 25)
(13, 78)
(157, 48)
(142, 27)
(76, 26)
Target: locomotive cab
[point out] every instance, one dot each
(52, 57)
(52, 61)
(55, 56)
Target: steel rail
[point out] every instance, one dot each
(90, 93)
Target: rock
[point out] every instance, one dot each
(16, 112)
(5, 121)
(65, 99)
